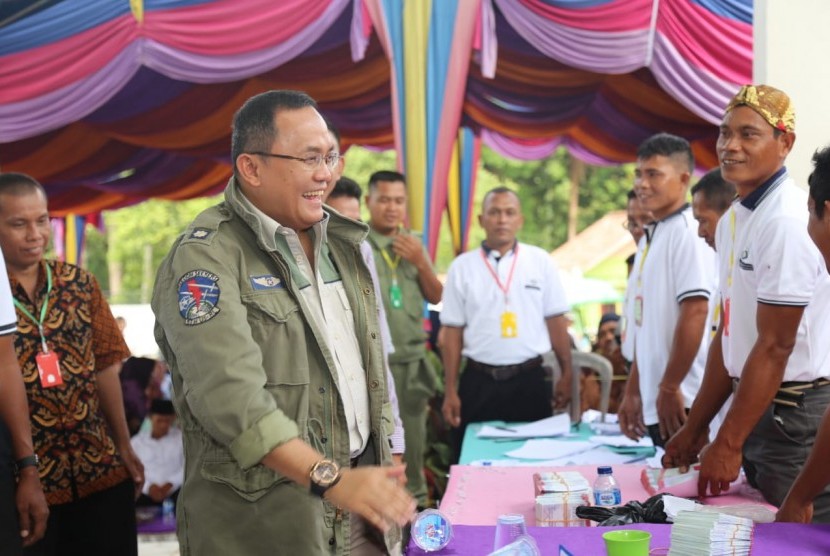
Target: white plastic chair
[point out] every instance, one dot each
(593, 361)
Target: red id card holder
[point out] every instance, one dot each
(49, 369)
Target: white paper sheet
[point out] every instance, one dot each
(546, 448)
(550, 426)
(620, 441)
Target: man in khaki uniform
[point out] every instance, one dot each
(267, 318)
(406, 280)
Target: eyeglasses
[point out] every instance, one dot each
(312, 162)
(631, 225)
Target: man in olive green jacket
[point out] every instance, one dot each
(268, 320)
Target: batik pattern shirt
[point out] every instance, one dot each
(71, 436)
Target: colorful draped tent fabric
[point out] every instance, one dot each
(109, 102)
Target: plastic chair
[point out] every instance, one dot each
(603, 368)
(593, 361)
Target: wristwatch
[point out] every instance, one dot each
(28, 461)
(324, 474)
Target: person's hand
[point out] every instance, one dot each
(451, 408)
(562, 392)
(683, 448)
(630, 415)
(795, 512)
(719, 466)
(409, 248)
(133, 465)
(156, 493)
(32, 509)
(397, 459)
(671, 410)
(375, 494)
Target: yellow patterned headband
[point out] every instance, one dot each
(773, 105)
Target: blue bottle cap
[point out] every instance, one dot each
(431, 530)
(604, 470)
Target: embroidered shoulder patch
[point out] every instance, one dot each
(266, 282)
(198, 296)
(200, 233)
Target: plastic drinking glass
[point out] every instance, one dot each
(627, 542)
(508, 528)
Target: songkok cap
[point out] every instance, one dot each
(162, 407)
(773, 105)
(609, 317)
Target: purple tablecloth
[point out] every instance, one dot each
(771, 539)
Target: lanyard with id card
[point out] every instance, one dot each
(509, 324)
(395, 295)
(48, 365)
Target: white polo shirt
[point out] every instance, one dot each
(674, 264)
(775, 262)
(8, 318)
(473, 300)
(627, 347)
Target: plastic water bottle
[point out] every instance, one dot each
(606, 490)
(168, 511)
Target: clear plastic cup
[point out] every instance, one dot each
(525, 545)
(509, 527)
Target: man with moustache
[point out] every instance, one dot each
(771, 345)
(69, 349)
(503, 308)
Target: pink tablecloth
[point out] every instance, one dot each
(478, 495)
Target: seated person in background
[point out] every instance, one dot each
(608, 346)
(135, 380)
(160, 448)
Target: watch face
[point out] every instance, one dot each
(325, 472)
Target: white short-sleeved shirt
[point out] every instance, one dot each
(627, 347)
(473, 300)
(675, 264)
(774, 262)
(8, 318)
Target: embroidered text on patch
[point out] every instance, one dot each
(198, 296)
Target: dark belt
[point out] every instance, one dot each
(504, 372)
(791, 394)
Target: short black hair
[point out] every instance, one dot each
(17, 184)
(498, 191)
(819, 180)
(717, 192)
(385, 175)
(333, 129)
(666, 144)
(346, 187)
(254, 128)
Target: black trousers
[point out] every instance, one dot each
(524, 397)
(101, 524)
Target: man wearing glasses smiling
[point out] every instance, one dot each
(267, 317)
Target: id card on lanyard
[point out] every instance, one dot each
(48, 365)
(509, 324)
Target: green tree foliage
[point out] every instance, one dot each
(544, 189)
(132, 231)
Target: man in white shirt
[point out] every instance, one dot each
(672, 279)
(160, 449)
(814, 477)
(503, 307)
(771, 345)
(711, 197)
